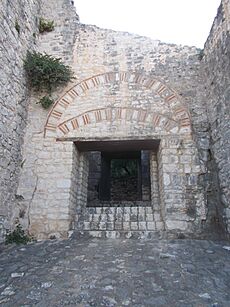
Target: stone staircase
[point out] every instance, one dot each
(117, 221)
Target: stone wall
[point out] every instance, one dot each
(18, 29)
(127, 87)
(216, 68)
(44, 178)
(130, 87)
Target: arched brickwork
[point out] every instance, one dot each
(139, 116)
(179, 119)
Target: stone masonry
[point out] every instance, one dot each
(14, 98)
(216, 67)
(127, 88)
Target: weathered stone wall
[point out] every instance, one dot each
(14, 43)
(131, 87)
(127, 87)
(44, 178)
(216, 68)
(94, 177)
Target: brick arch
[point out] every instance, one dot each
(135, 115)
(169, 96)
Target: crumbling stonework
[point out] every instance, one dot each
(216, 67)
(42, 156)
(127, 88)
(18, 27)
(123, 92)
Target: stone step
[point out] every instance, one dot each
(119, 210)
(119, 219)
(113, 203)
(121, 234)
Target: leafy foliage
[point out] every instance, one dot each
(17, 236)
(45, 25)
(46, 102)
(46, 72)
(121, 168)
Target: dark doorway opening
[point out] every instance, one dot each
(119, 172)
(120, 176)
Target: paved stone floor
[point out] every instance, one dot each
(116, 272)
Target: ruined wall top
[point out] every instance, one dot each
(220, 26)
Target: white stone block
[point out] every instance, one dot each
(126, 226)
(126, 217)
(112, 234)
(95, 234)
(160, 226)
(134, 225)
(86, 226)
(142, 225)
(151, 226)
(174, 225)
(149, 217)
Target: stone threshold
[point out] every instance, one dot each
(121, 234)
(136, 203)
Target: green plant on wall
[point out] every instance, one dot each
(45, 25)
(46, 102)
(121, 168)
(46, 72)
(17, 236)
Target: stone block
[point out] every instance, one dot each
(159, 226)
(118, 226)
(134, 210)
(119, 217)
(104, 217)
(126, 226)
(86, 225)
(126, 217)
(127, 210)
(133, 218)
(95, 234)
(112, 234)
(142, 225)
(102, 226)
(149, 218)
(151, 226)
(157, 216)
(96, 218)
(149, 210)
(110, 217)
(134, 225)
(142, 211)
(109, 226)
(176, 225)
(94, 225)
(99, 210)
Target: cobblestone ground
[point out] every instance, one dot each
(116, 272)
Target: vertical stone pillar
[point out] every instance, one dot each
(182, 201)
(51, 210)
(145, 167)
(82, 190)
(155, 201)
(50, 204)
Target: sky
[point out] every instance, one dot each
(185, 22)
